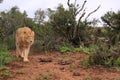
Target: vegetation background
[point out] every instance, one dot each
(64, 33)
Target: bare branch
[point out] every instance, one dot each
(76, 27)
(1, 1)
(81, 18)
(81, 8)
(109, 23)
(92, 12)
(68, 3)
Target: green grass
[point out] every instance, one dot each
(6, 74)
(77, 50)
(71, 66)
(85, 63)
(5, 57)
(65, 49)
(2, 68)
(117, 62)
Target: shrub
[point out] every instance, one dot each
(117, 62)
(69, 48)
(87, 50)
(4, 56)
(85, 63)
(65, 49)
(106, 55)
(77, 49)
(6, 74)
(10, 41)
(2, 68)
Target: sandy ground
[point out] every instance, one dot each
(59, 67)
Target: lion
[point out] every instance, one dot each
(24, 39)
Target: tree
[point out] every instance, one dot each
(1, 1)
(95, 22)
(112, 22)
(112, 19)
(10, 20)
(39, 16)
(65, 21)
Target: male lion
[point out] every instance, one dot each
(24, 40)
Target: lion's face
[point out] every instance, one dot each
(29, 37)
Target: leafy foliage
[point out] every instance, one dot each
(111, 19)
(65, 49)
(6, 74)
(117, 62)
(39, 16)
(5, 57)
(46, 39)
(64, 32)
(105, 55)
(85, 63)
(63, 22)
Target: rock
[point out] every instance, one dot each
(64, 62)
(45, 59)
(62, 68)
(76, 74)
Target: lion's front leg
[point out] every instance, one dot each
(26, 52)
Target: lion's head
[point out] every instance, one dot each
(29, 37)
(25, 36)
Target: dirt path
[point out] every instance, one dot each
(60, 67)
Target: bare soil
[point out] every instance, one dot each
(56, 66)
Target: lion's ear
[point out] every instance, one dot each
(32, 33)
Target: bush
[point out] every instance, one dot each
(105, 55)
(65, 49)
(6, 74)
(10, 41)
(69, 48)
(78, 49)
(87, 50)
(117, 62)
(85, 63)
(46, 38)
(5, 57)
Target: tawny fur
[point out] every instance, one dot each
(24, 40)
